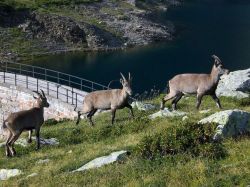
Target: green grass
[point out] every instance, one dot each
(35, 4)
(86, 143)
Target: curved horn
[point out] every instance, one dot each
(43, 93)
(217, 59)
(123, 77)
(129, 76)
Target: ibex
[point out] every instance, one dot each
(107, 99)
(200, 84)
(20, 121)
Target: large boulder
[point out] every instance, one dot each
(231, 123)
(98, 162)
(235, 84)
(7, 173)
(167, 113)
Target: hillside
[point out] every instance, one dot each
(39, 27)
(82, 143)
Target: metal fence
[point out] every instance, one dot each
(68, 88)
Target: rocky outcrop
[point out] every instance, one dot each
(167, 113)
(53, 27)
(231, 123)
(104, 160)
(236, 84)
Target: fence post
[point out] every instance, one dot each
(58, 77)
(15, 79)
(48, 88)
(72, 96)
(37, 85)
(67, 94)
(45, 74)
(76, 99)
(4, 77)
(57, 87)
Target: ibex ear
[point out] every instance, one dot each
(121, 81)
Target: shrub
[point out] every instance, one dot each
(195, 139)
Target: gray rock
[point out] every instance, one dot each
(5, 174)
(167, 113)
(43, 161)
(143, 106)
(32, 175)
(104, 160)
(23, 142)
(184, 118)
(230, 123)
(236, 84)
(204, 111)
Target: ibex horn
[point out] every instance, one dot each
(129, 76)
(43, 93)
(123, 77)
(217, 59)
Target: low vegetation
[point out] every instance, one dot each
(164, 151)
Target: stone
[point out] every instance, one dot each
(43, 161)
(204, 111)
(184, 118)
(231, 123)
(32, 175)
(143, 106)
(104, 160)
(167, 113)
(23, 142)
(236, 84)
(5, 174)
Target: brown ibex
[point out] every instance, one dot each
(20, 121)
(200, 84)
(107, 99)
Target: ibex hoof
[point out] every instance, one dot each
(29, 141)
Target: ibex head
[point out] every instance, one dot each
(41, 99)
(126, 83)
(218, 66)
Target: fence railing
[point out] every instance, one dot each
(68, 88)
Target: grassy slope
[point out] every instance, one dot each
(87, 143)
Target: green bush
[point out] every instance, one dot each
(195, 139)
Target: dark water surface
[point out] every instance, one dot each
(205, 27)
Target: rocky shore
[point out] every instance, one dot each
(102, 25)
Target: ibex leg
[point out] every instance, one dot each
(216, 99)
(30, 137)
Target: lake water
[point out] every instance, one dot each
(205, 27)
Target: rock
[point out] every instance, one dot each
(43, 161)
(236, 84)
(143, 106)
(167, 113)
(230, 123)
(98, 162)
(32, 175)
(184, 118)
(204, 111)
(7, 173)
(23, 142)
(50, 141)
